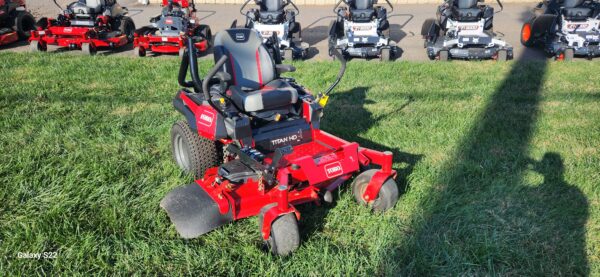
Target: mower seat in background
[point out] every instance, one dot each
(275, 94)
(364, 15)
(466, 10)
(577, 14)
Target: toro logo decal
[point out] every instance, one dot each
(169, 20)
(68, 30)
(206, 118)
(333, 169)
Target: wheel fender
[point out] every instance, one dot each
(185, 111)
(376, 183)
(269, 214)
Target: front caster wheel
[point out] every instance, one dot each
(285, 236)
(139, 51)
(388, 194)
(88, 49)
(37, 46)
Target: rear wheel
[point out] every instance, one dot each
(501, 56)
(569, 54)
(88, 49)
(127, 28)
(193, 153)
(426, 27)
(24, 23)
(443, 55)
(388, 194)
(285, 236)
(385, 55)
(526, 35)
(37, 46)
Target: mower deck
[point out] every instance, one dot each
(165, 44)
(8, 36)
(75, 37)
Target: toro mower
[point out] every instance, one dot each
(565, 29)
(86, 25)
(362, 30)
(253, 140)
(16, 23)
(464, 29)
(169, 30)
(272, 19)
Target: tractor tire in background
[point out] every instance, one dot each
(24, 24)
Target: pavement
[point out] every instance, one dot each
(405, 25)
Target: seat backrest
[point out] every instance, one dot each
(572, 3)
(361, 4)
(250, 64)
(182, 3)
(466, 4)
(95, 5)
(271, 5)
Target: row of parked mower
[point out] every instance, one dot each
(463, 29)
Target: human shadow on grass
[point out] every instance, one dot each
(346, 117)
(481, 216)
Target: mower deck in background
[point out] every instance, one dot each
(86, 25)
(362, 30)
(16, 23)
(170, 29)
(253, 140)
(464, 29)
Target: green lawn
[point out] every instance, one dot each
(499, 164)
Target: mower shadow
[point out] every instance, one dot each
(16, 44)
(482, 217)
(313, 33)
(363, 120)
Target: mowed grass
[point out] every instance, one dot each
(499, 165)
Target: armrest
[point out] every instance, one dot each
(283, 68)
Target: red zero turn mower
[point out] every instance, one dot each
(253, 140)
(15, 21)
(85, 25)
(169, 30)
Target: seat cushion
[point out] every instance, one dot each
(470, 14)
(363, 15)
(275, 94)
(577, 13)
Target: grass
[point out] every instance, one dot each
(499, 164)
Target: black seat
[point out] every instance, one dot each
(271, 11)
(362, 10)
(256, 86)
(573, 10)
(466, 10)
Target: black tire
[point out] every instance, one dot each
(37, 46)
(139, 51)
(285, 235)
(88, 49)
(443, 55)
(24, 24)
(526, 34)
(569, 55)
(193, 153)
(501, 55)
(427, 26)
(388, 194)
(385, 55)
(127, 27)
